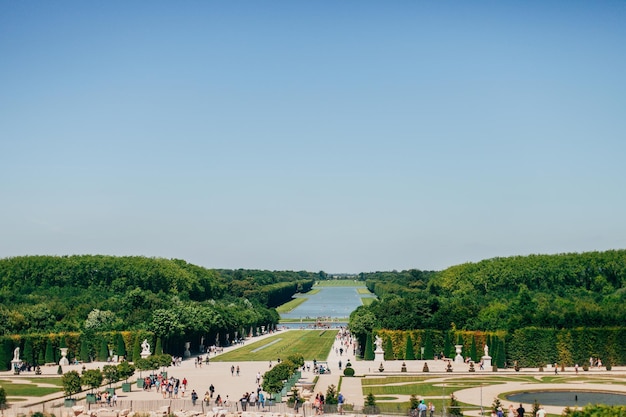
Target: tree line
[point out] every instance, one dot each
(561, 308)
(554, 291)
(172, 300)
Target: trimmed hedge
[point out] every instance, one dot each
(531, 347)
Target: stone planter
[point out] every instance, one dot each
(126, 387)
(91, 398)
(140, 382)
(69, 402)
(111, 391)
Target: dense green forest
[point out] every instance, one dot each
(542, 307)
(172, 299)
(552, 291)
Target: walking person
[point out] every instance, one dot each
(340, 401)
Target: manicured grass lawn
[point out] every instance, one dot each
(363, 290)
(340, 283)
(27, 388)
(290, 305)
(384, 388)
(393, 380)
(367, 300)
(408, 389)
(311, 344)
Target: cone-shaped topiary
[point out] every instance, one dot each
(473, 352)
(409, 354)
(369, 349)
(84, 350)
(29, 353)
(103, 352)
(389, 356)
(428, 346)
(49, 358)
(120, 347)
(447, 345)
(136, 349)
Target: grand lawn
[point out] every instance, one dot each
(38, 387)
(311, 344)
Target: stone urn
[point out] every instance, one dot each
(64, 361)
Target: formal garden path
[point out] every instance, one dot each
(466, 385)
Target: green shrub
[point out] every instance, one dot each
(3, 398)
(348, 372)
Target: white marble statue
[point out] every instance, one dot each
(145, 346)
(486, 351)
(378, 342)
(16, 354)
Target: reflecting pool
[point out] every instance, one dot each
(568, 398)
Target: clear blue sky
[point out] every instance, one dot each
(344, 136)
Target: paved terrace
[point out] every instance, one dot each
(233, 387)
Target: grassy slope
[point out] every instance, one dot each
(290, 305)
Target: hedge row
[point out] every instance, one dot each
(529, 347)
(45, 348)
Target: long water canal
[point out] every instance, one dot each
(330, 302)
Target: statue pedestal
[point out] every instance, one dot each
(16, 365)
(64, 361)
(144, 355)
(487, 363)
(379, 355)
(458, 358)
